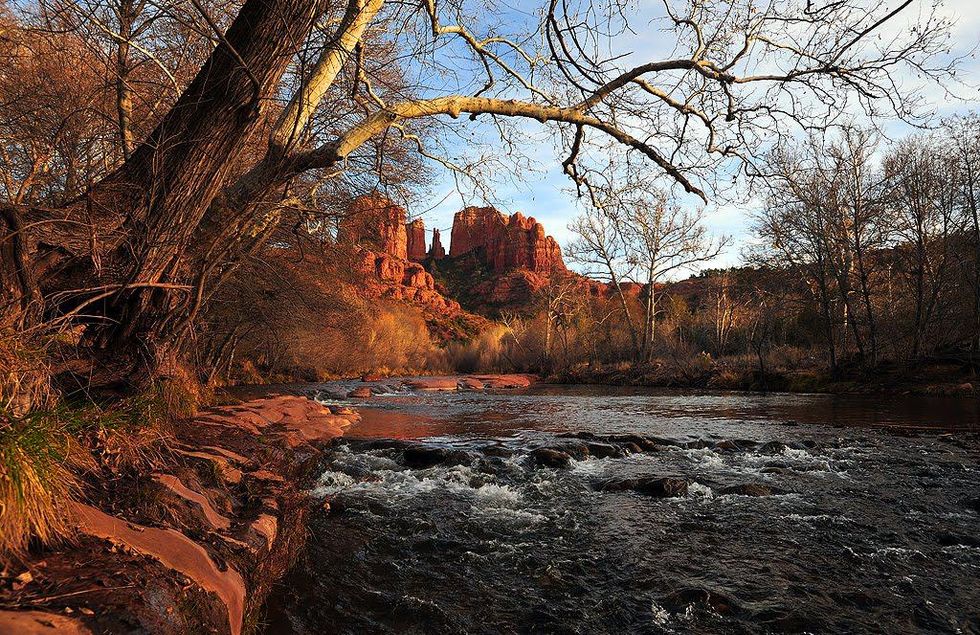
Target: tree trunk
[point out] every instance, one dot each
(634, 339)
(168, 184)
(650, 318)
(125, 13)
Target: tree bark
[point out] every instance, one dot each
(167, 185)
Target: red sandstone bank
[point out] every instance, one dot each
(197, 546)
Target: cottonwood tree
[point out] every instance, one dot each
(825, 217)
(143, 248)
(661, 239)
(600, 251)
(964, 135)
(633, 231)
(923, 195)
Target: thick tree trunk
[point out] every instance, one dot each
(167, 185)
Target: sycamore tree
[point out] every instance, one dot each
(295, 93)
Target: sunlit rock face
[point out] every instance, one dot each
(416, 240)
(437, 252)
(517, 242)
(386, 254)
(377, 224)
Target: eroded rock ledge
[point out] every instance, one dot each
(195, 547)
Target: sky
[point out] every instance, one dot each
(544, 191)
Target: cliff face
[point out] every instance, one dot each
(495, 260)
(387, 252)
(375, 223)
(416, 240)
(517, 242)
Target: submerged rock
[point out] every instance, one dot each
(681, 600)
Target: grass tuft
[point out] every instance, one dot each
(39, 462)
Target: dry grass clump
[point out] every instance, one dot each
(46, 448)
(40, 459)
(25, 378)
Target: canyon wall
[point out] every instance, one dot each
(392, 256)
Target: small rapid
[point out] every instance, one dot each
(593, 511)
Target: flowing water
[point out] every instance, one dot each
(802, 513)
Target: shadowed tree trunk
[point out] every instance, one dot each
(151, 206)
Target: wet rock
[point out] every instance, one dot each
(949, 539)
(422, 457)
(603, 450)
(773, 447)
(749, 489)
(550, 457)
(360, 393)
(663, 487)
(727, 444)
(576, 450)
(774, 469)
(632, 448)
(656, 487)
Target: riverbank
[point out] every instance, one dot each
(937, 378)
(196, 543)
(194, 546)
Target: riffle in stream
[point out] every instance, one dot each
(604, 510)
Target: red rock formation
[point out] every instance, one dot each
(437, 251)
(416, 240)
(517, 242)
(376, 223)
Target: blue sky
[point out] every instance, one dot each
(543, 191)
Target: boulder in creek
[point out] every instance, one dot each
(663, 487)
(550, 457)
(679, 601)
(604, 450)
(360, 393)
(421, 457)
(749, 489)
(657, 487)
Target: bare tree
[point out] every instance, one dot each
(601, 252)
(923, 197)
(660, 239)
(144, 247)
(964, 135)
